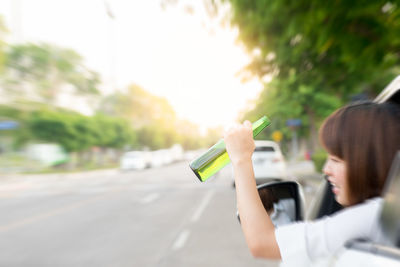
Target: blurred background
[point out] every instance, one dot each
(98, 78)
(104, 103)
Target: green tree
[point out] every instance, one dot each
(189, 135)
(22, 133)
(114, 132)
(52, 126)
(47, 69)
(151, 136)
(76, 132)
(151, 116)
(319, 53)
(138, 106)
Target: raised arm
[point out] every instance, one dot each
(256, 225)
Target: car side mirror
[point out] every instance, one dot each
(283, 201)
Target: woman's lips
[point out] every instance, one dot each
(335, 190)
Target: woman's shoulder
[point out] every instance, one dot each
(369, 206)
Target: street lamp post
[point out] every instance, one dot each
(294, 124)
(111, 46)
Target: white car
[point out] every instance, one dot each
(47, 154)
(268, 162)
(160, 158)
(134, 160)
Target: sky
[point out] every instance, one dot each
(177, 52)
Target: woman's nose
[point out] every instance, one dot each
(326, 169)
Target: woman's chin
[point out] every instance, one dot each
(341, 201)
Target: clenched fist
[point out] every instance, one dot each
(239, 142)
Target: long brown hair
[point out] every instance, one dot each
(366, 136)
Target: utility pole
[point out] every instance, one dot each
(294, 124)
(112, 49)
(16, 21)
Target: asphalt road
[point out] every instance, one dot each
(155, 217)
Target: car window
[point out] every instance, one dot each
(390, 212)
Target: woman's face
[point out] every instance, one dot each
(335, 169)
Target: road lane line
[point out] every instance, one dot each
(12, 189)
(150, 198)
(196, 216)
(181, 240)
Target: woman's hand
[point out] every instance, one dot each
(239, 142)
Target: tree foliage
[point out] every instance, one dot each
(47, 69)
(138, 106)
(152, 117)
(76, 132)
(320, 53)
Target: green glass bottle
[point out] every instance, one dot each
(216, 157)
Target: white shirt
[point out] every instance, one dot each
(307, 243)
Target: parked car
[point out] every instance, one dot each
(176, 152)
(135, 160)
(47, 154)
(268, 162)
(160, 158)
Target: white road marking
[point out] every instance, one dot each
(184, 235)
(202, 206)
(150, 198)
(181, 240)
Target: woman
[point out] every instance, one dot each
(361, 141)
